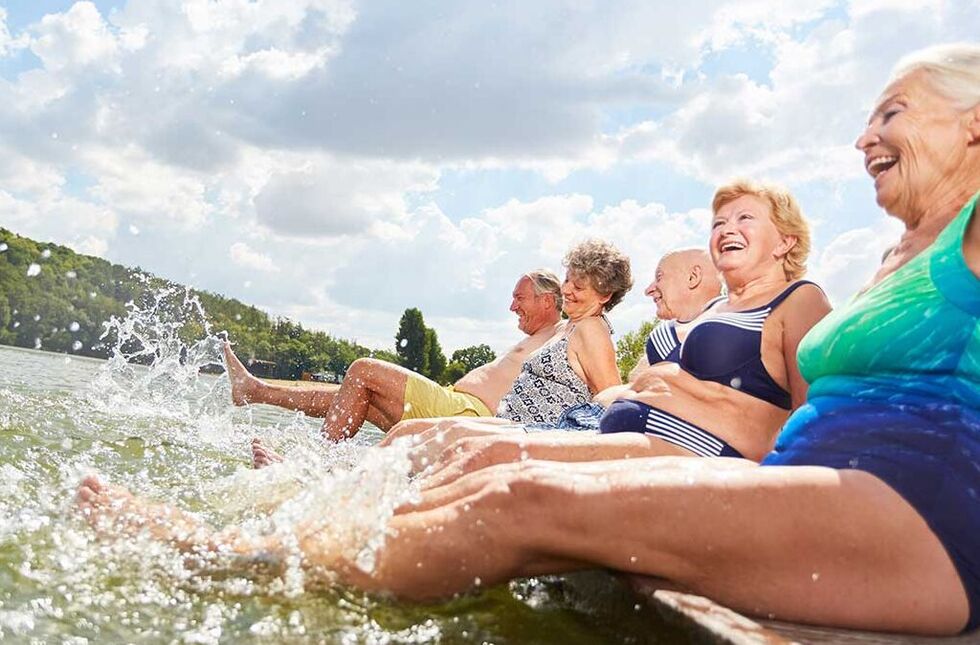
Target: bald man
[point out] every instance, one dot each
(685, 282)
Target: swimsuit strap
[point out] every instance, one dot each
(786, 293)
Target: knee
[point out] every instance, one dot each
(361, 367)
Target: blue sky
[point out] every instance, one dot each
(337, 161)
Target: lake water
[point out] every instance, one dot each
(172, 434)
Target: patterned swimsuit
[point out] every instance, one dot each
(546, 386)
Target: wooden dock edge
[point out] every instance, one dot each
(709, 622)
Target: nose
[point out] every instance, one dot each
(513, 305)
(650, 289)
(867, 138)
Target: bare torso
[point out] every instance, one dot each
(491, 381)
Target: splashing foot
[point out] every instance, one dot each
(244, 386)
(115, 510)
(262, 456)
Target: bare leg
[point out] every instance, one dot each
(437, 436)
(245, 388)
(799, 543)
(372, 390)
(472, 452)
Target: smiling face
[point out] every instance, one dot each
(915, 141)
(534, 310)
(581, 298)
(744, 238)
(669, 286)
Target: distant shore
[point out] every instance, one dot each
(328, 387)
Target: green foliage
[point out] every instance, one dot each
(64, 306)
(453, 372)
(436, 359)
(631, 346)
(410, 342)
(473, 357)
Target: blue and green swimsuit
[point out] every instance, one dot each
(895, 391)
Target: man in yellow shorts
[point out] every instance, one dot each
(384, 393)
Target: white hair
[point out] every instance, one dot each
(952, 69)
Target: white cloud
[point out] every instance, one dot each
(328, 197)
(849, 261)
(76, 38)
(244, 256)
(90, 245)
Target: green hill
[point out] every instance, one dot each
(56, 299)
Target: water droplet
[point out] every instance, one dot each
(637, 607)
(524, 455)
(133, 230)
(737, 383)
(238, 316)
(46, 253)
(477, 582)
(91, 294)
(16, 324)
(632, 559)
(815, 576)
(33, 270)
(403, 342)
(74, 326)
(853, 462)
(3, 247)
(37, 317)
(77, 345)
(71, 274)
(37, 343)
(54, 135)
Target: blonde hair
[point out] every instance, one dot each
(785, 213)
(606, 267)
(953, 70)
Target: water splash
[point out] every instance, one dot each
(151, 367)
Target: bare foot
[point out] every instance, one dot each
(244, 386)
(262, 456)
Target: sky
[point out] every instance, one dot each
(337, 161)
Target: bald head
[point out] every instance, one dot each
(685, 281)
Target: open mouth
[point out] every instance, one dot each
(731, 246)
(877, 166)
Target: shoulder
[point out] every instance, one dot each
(594, 325)
(590, 332)
(804, 307)
(807, 293)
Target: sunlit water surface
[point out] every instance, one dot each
(171, 434)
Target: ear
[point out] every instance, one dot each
(785, 245)
(694, 277)
(973, 124)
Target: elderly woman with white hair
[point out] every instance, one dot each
(865, 515)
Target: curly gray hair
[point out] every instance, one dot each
(606, 267)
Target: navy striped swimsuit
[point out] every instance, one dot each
(725, 348)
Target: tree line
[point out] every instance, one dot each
(55, 299)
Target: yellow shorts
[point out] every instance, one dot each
(425, 399)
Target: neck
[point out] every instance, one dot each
(744, 288)
(939, 210)
(694, 305)
(550, 325)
